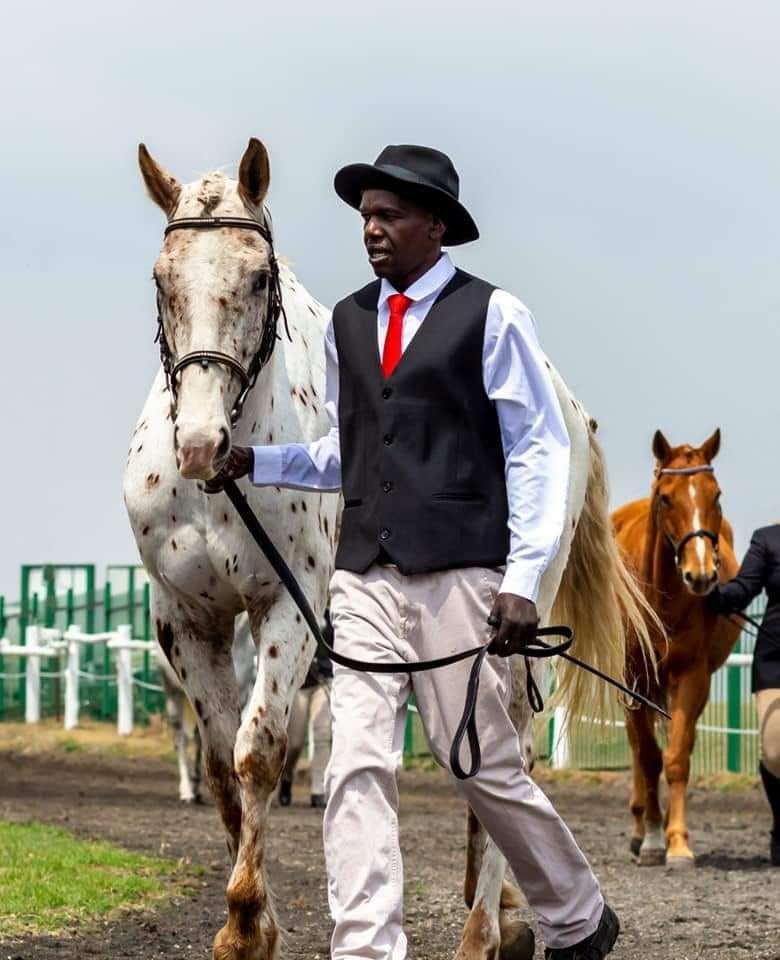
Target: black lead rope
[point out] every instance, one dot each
(467, 727)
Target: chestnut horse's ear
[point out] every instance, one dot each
(711, 446)
(254, 175)
(164, 189)
(661, 447)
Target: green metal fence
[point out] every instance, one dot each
(60, 595)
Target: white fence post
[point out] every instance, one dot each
(124, 682)
(72, 679)
(561, 756)
(32, 707)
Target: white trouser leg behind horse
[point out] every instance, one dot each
(383, 615)
(311, 703)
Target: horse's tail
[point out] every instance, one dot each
(602, 601)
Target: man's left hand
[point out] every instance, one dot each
(516, 622)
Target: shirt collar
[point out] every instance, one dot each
(428, 285)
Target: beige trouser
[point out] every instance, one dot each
(310, 703)
(768, 702)
(384, 615)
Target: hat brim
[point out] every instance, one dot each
(350, 182)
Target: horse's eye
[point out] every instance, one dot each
(261, 282)
(665, 501)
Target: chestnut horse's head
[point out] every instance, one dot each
(686, 502)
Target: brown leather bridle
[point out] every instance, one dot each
(275, 308)
(693, 534)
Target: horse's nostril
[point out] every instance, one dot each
(224, 444)
(688, 576)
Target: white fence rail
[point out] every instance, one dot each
(44, 643)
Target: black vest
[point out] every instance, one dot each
(421, 458)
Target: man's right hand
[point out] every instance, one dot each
(240, 462)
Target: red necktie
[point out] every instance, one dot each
(391, 354)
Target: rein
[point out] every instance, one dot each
(693, 534)
(536, 649)
(275, 308)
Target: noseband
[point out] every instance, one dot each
(694, 534)
(275, 308)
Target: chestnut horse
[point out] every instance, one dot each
(679, 543)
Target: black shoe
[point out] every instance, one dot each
(774, 848)
(594, 947)
(318, 801)
(285, 793)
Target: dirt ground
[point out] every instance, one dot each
(727, 909)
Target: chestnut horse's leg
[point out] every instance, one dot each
(688, 698)
(638, 788)
(645, 806)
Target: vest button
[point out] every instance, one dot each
(387, 393)
(387, 486)
(384, 534)
(388, 439)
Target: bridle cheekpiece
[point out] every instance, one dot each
(247, 376)
(693, 534)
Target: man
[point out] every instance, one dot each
(450, 448)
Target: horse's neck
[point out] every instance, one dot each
(659, 571)
(269, 413)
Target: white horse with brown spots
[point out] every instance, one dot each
(213, 289)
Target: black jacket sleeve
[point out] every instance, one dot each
(749, 581)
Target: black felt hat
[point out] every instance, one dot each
(424, 175)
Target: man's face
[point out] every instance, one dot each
(401, 238)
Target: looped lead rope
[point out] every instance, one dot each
(537, 648)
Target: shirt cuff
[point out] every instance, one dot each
(521, 579)
(267, 471)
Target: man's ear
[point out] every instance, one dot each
(438, 228)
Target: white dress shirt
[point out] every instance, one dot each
(533, 432)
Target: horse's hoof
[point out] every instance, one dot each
(680, 863)
(654, 857)
(636, 845)
(517, 941)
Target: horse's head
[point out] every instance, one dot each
(213, 287)
(686, 501)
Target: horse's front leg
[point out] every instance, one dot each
(284, 651)
(688, 698)
(198, 649)
(648, 837)
(490, 933)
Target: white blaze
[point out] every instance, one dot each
(697, 526)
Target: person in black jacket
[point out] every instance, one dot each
(760, 570)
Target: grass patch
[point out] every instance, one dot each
(49, 879)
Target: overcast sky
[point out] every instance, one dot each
(621, 160)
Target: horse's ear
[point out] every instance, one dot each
(661, 447)
(164, 189)
(711, 446)
(254, 174)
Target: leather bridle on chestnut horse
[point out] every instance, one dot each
(693, 534)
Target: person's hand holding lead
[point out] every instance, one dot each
(516, 621)
(240, 462)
